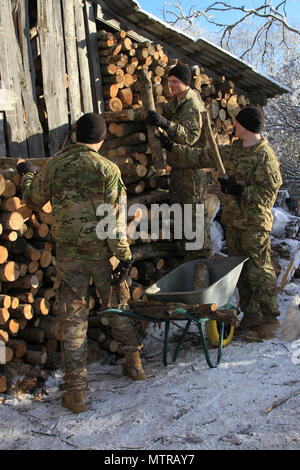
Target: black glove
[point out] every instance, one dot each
(156, 119)
(25, 167)
(230, 186)
(121, 272)
(166, 143)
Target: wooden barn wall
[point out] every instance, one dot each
(49, 60)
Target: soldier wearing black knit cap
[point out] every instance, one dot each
(181, 121)
(250, 192)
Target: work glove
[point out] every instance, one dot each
(156, 119)
(121, 272)
(166, 143)
(230, 186)
(25, 167)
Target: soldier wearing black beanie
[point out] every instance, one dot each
(251, 118)
(182, 72)
(90, 128)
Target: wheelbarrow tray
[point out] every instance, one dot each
(177, 286)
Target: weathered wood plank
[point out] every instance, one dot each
(50, 32)
(12, 75)
(71, 59)
(34, 131)
(94, 57)
(85, 80)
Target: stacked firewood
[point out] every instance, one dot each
(121, 58)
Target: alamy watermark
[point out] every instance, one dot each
(182, 222)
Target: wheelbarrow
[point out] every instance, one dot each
(172, 298)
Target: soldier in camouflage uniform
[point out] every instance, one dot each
(182, 121)
(77, 181)
(250, 193)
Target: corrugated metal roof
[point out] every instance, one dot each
(128, 14)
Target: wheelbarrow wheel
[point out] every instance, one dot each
(213, 335)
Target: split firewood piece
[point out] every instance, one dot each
(9, 271)
(41, 306)
(145, 86)
(4, 315)
(5, 301)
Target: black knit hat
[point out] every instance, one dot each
(251, 118)
(90, 128)
(182, 72)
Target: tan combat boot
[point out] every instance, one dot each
(133, 366)
(265, 331)
(74, 401)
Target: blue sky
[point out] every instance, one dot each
(155, 7)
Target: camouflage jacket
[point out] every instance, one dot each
(78, 181)
(186, 120)
(186, 186)
(256, 167)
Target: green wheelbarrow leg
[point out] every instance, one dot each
(188, 323)
(204, 342)
(167, 328)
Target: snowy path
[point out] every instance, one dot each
(183, 406)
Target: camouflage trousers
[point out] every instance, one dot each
(257, 284)
(71, 308)
(188, 254)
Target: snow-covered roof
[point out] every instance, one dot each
(127, 14)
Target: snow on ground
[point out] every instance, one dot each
(185, 405)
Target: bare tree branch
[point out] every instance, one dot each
(268, 15)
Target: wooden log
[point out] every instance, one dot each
(9, 354)
(22, 311)
(11, 326)
(18, 346)
(125, 129)
(10, 236)
(125, 95)
(26, 282)
(159, 159)
(10, 189)
(41, 306)
(35, 357)
(4, 335)
(162, 249)
(11, 221)
(18, 296)
(2, 184)
(3, 254)
(4, 315)
(10, 204)
(133, 139)
(9, 271)
(114, 104)
(5, 301)
(122, 116)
